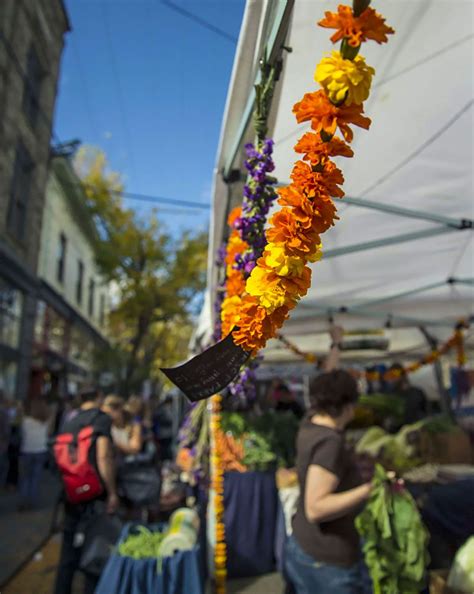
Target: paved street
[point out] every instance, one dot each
(23, 532)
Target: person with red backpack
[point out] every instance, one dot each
(84, 456)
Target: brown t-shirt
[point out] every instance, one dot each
(335, 542)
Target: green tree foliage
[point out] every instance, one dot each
(157, 280)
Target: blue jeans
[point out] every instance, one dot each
(310, 577)
(31, 470)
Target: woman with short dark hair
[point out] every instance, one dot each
(322, 554)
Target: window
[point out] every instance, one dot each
(32, 89)
(80, 281)
(11, 306)
(20, 191)
(62, 249)
(102, 310)
(91, 296)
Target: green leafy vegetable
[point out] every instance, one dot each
(269, 439)
(143, 545)
(395, 539)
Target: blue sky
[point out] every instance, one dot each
(148, 86)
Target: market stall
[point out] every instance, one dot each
(396, 266)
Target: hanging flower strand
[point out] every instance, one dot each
(258, 197)
(282, 275)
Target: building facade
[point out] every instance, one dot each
(72, 303)
(31, 43)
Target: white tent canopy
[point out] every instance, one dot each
(401, 254)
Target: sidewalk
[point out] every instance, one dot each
(22, 533)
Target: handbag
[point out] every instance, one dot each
(101, 533)
(139, 478)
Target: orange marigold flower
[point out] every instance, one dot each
(230, 313)
(250, 332)
(297, 286)
(257, 326)
(234, 214)
(287, 230)
(369, 25)
(331, 178)
(303, 207)
(184, 459)
(324, 217)
(235, 283)
(325, 116)
(317, 151)
(235, 246)
(322, 183)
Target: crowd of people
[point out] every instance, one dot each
(27, 430)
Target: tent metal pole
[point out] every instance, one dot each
(371, 302)
(409, 213)
(464, 281)
(386, 241)
(423, 289)
(444, 396)
(273, 48)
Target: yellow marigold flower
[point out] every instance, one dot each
(317, 254)
(265, 286)
(345, 81)
(280, 262)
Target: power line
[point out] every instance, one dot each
(120, 96)
(149, 198)
(202, 22)
(85, 88)
(163, 200)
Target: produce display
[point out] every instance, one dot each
(143, 545)
(180, 534)
(384, 405)
(259, 442)
(395, 539)
(402, 451)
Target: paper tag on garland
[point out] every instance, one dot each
(209, 372)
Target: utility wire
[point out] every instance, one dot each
(200, 21)
(149, 198)
(126, 195)
(93, 122)
(163, 200)
(120, 96)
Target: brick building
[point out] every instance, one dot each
(31, 43)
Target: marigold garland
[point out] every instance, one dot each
(217, 484)
(455, 341)
(282, 276)
(309, 357)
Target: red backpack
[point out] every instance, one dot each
(80, 477)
